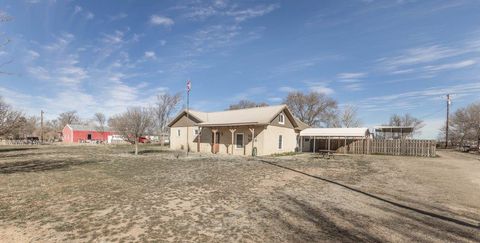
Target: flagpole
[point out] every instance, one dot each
(188, 104)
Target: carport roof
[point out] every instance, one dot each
(335, 132)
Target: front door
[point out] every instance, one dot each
(215, 142)
(89, 137)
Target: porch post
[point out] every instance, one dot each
(214, 140)
(301, 143)
(313, 144)
(198, 138)
(252, 130)
(328, 144)
(232, 131)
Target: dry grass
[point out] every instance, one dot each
(104, 193)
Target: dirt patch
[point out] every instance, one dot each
(104, 193)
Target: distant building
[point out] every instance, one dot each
(393, 132)
(73, 133)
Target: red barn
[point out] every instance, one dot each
(84, 133)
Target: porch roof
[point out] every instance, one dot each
(335, 132)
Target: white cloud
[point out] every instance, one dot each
(351, 75)
(214, 37)
(77, 10)
(115, 38)
(161, 20)
(150, 55)
(60, 43)
(33, 54)
(417, 98)
(163, 42)
(245, 14)
(89, 15)
(39, 73)
(418, 55)
(322, 89)
(448, 66)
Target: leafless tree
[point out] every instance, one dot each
(314, 109)
(406, 120)
(69, 117)
(4, 17)
(51, 130)
(100, 121)
(243, 104)
(465, 125)
(349, 117)
(10, 119)
(132, 124)
(165, 107)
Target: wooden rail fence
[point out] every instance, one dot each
(402, 147)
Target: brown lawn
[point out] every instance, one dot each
(104, 193)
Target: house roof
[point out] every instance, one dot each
(250, 116)
(335, 132)
(89, 127)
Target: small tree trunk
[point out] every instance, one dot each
(136, 146)
(161, 138)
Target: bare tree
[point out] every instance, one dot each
(165, 107)
(465, 125)
(10, 119)
(314, 109)
(69, 117)
(132, 124)
(243, 104)
(4, 17)
(100, 121)
(51, 130)
(348, 117)
(406, 120)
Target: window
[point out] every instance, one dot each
(281, 119)
(239, 140)
(178, 132)
(195, 131)
(280, 141)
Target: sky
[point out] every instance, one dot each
(383, 57)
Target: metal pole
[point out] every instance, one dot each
(446, 127)
(188, 101)
(41, 126)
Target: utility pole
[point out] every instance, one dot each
(446, 127)
(41, 126)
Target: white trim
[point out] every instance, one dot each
(243, 140)
(281, 121)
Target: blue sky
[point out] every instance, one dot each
(382, 56)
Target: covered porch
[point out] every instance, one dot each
(233, 139)
(341, 140)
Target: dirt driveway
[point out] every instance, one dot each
(104, 193)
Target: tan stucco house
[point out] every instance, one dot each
(260, 130)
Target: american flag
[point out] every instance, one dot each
(189, 85)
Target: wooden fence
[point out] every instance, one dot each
(402, 147)
(17, 142)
